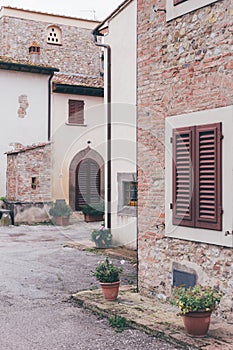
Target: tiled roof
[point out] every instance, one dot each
(6, 59)
(78, 80)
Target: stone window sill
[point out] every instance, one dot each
(128, 211)
(73, 124)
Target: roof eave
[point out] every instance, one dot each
(78, 90)
(97, 29)
(29, 68)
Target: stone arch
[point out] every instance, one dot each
(87, 153)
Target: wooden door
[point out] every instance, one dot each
(87, 183)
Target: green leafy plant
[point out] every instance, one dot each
(95, 209)
(107, 272)
(60, 208)
(196, 299)
(118, 322)
(102, 237)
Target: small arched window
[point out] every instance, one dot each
(54, 35)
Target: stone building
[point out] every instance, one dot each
(29, 182)
(65, 42)
(185, 121)
(69, 112)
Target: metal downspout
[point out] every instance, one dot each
(49, 106)
(109, 128)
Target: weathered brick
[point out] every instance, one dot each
(184, 65)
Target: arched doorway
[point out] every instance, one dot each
(86, 178)
(87, 183)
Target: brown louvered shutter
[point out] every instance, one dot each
(183, 182)
(76, 112)
(208, 176)
(87, 183)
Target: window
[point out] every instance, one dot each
(54, 35)
(34, 183)
(127, 194)
(76, 112)
(197, 188)
(130, 194)
(177, 8)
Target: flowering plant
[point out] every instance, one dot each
(197, 298)
(102, 237)
(107, 272)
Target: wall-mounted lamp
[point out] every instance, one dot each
(156, 9)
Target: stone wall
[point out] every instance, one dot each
(184, 65)
(29, 174)
(29, 183)
(77, 54)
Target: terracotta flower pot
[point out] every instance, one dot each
(197, 323)
(61, 220)
(110, 290)
(93, 218)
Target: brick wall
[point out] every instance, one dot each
(29, 174)
(184, 65)
(77, 54)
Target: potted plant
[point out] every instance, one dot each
(108, 276)
(196, 304)
(93, 212)
(60, 212)
(102, 237)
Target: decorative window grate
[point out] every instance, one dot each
(54, 35)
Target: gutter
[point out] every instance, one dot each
(96, 33)
(49, 105)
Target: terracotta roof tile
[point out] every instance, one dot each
(6, 59)
(78, 80)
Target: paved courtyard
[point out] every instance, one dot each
(38, 274)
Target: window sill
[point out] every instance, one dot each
(55, 44)
(73, 124)
(127, 211)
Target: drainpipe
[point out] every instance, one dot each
(95, 33)
(49, 106)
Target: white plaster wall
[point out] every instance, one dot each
(30, 129)
(68, 140)
(122, 37)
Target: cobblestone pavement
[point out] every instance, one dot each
(37, 276)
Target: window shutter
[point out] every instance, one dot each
(208, 176)
(183, 157)
(76, 112)
(87, 183)
(176, 2)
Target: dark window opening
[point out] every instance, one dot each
(130, 194)
(34, 183)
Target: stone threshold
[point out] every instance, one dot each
(155, 318)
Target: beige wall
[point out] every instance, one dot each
(30, 129)
(68, 140)
(122, 39)
(44, 17)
